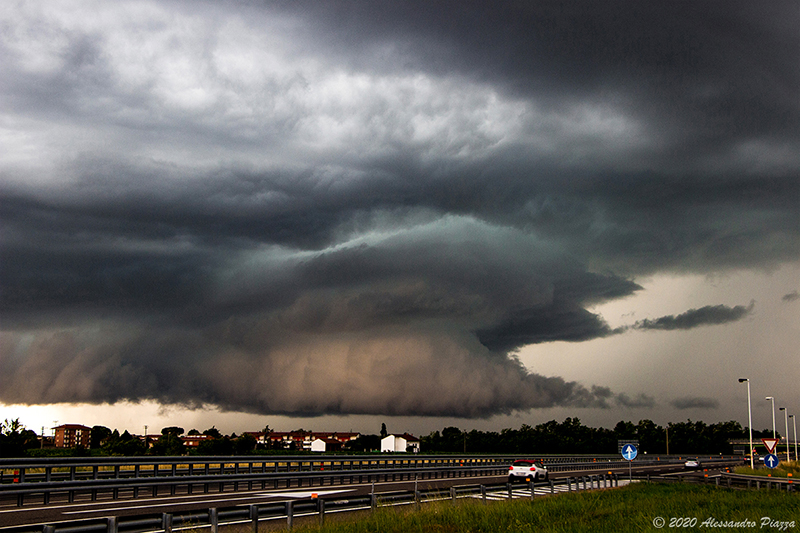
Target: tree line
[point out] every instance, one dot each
(572, 437)
(567, 437)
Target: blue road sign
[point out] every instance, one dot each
(629, 452)
(771, 460)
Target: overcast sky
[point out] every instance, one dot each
(332, 214)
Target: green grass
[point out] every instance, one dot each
(782, 470)
(632, 508)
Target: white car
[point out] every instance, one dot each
(692, 463)
(528, 470)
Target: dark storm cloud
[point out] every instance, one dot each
(706, 65)
(360, 207)
(705, 316)
(694, 403)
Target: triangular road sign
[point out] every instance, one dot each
(770, 444)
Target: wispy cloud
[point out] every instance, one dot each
(694, 403)
(693, 318)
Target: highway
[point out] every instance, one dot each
(185, 503)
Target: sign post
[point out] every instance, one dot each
(629, 453)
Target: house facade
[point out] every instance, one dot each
(193, 441)
(303, 440)
(326, 445)
(400, 443)
(72, 436)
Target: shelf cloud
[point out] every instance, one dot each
(369, 207)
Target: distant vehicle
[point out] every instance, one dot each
(528, 470)
(692, 463)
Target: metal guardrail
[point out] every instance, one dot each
(50, 469)
(73, 468)
(131, 487)
(21, 470)
(284, 473)
(317, 508)
(729, 480)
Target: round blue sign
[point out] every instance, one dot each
(771, 460)
(629, 452)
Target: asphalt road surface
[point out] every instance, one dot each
(56, 512)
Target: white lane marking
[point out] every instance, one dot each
(173, 504)
(186, 498)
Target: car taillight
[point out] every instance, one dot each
(533, 469)
(511, 468)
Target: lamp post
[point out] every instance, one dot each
(794, 424)
(786, 421)
(749, 418)
(770, 398)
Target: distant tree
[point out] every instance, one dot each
(125, 444)
(244, 444)
(169, 443)
(364, 443)
(625, 430)
(452, 440)
(482, 441)
(216, 446)
(384, 433)
(99, 435)
(432, 442)
(652, 438)
(213, 432)
(15, 438)
(699, 437)
(193, 432)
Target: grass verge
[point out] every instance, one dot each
(784, 469)
(638, 507)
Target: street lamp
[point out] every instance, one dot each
(786, 421)
(770, 398)
(749, 418)
(794, 424)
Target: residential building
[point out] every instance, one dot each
(326, 445)
(303, 440)
(400, 443)
(193, 441)
(73, 436)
